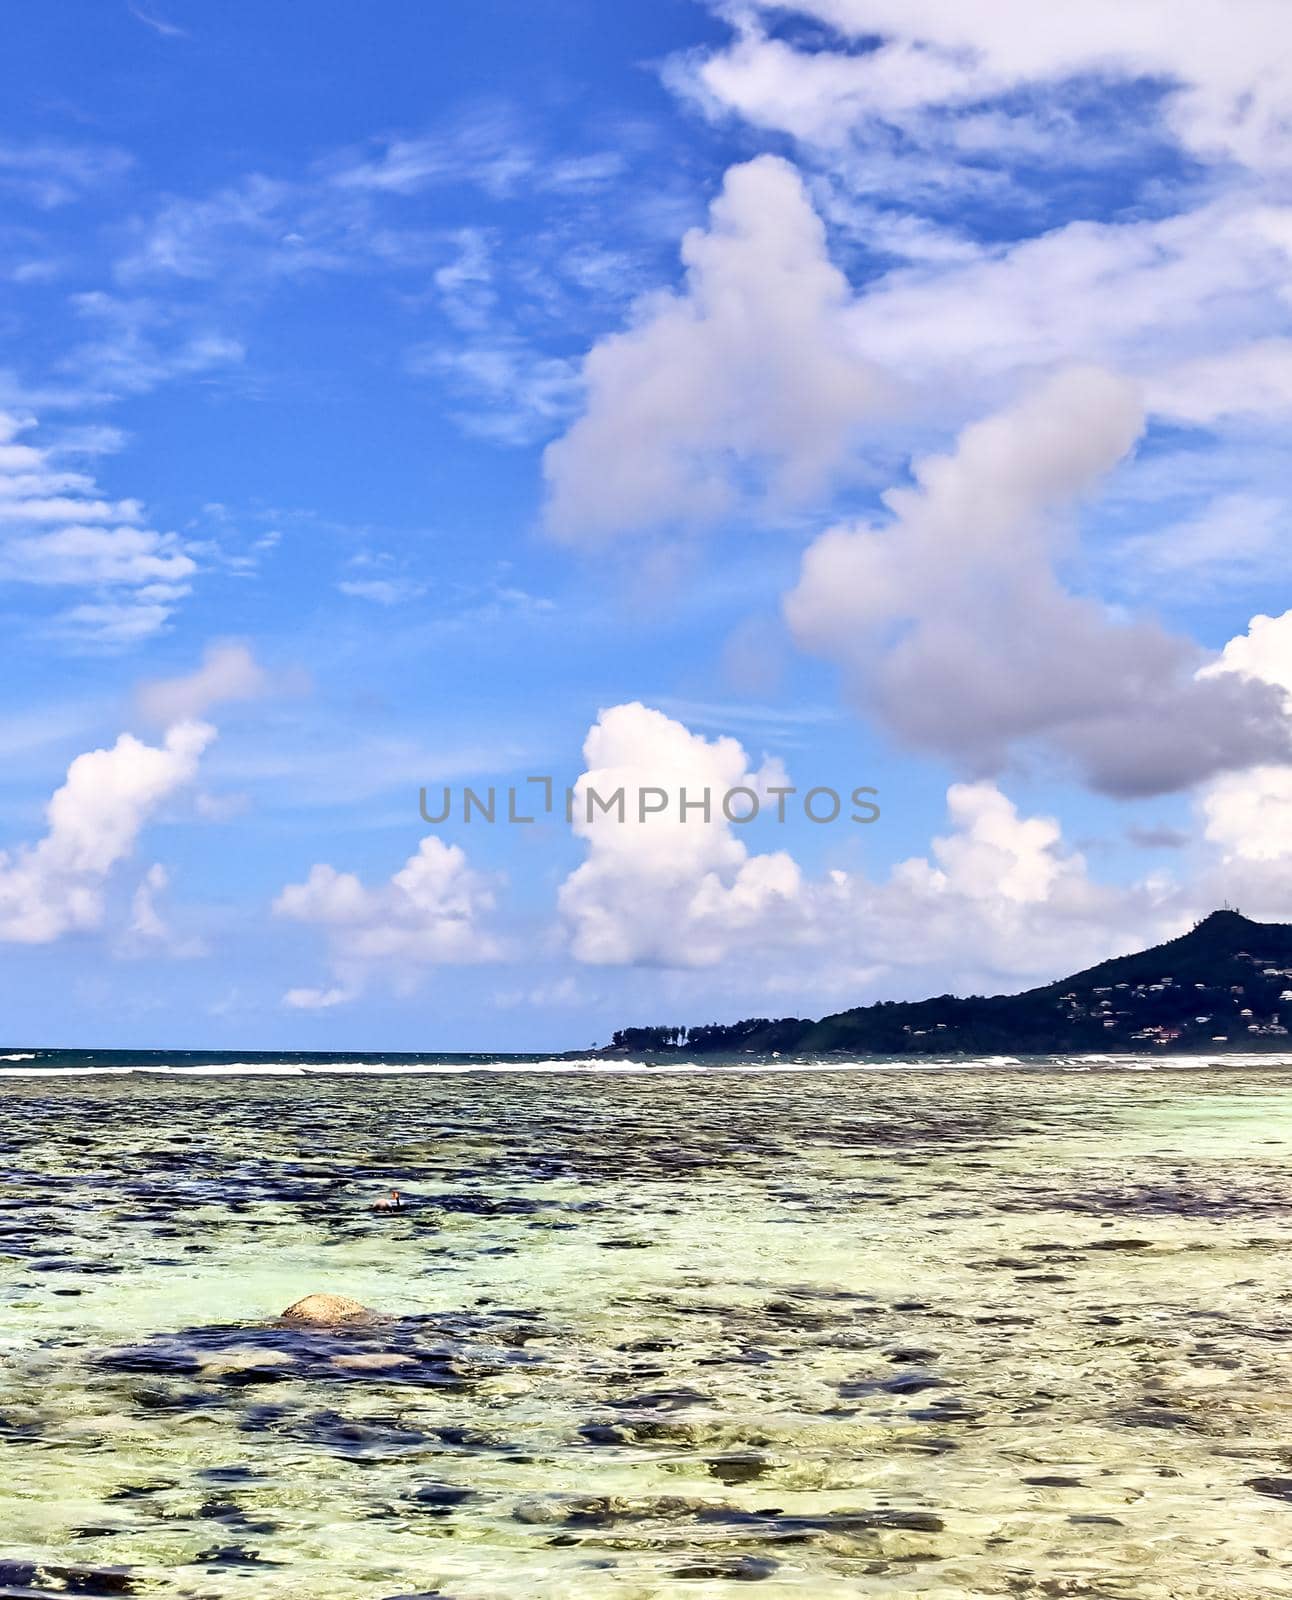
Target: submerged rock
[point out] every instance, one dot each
(737, 1467)
(732, 1569)
(247, 1365)
(40, 1577)
(1275, 1488)
(439, 1499)
(326, 1310)
(373, 1361)
(601, 1510)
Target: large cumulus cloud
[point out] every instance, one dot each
(952, 625)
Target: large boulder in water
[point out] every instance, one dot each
(326, 1310)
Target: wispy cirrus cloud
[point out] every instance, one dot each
(195, 267)
(962, 85)
(1236, 541)
(503, 389)
(487, 146)
(382, 591)
(48, 174)
(58, 532)
(158, 23)
(133, 345)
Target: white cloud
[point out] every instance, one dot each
(261, 232)
(1190, 303)
(108, 557)
(466, 284)
(229, 671)
(482, 148)
(129, 347)
(113, 624)
(1003, 896)
(952, 625)
(358, 211)
(189, 238)
(52, 174)
(763, 371)
(750, 369)
(145, 919)
(1193, 303)
(1252, 379)
(148, 930)
(1236, 541)
(1247, 816)
(1225, 67)
(432, 912)
(561, 992)
(316, 999)
(382, 591)
(58, 531)
(1263, 654)
(56, 886)
(665, 890)
(821, 96)
(486, 146)
(503, 390)
(999, 898)
(168, 30)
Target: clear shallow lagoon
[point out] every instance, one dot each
(1011, 1329)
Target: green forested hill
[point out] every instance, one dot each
(1227, 983)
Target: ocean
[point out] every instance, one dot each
(644, 1329)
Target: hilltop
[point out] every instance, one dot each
(1226, 984)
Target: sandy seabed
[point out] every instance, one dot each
(973, 1332)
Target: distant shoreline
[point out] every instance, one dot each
(1223, 987)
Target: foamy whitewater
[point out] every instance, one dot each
(939, 1328)
(106, 1063)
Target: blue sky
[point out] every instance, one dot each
(870, 393)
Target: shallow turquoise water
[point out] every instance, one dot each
(953, 1333)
